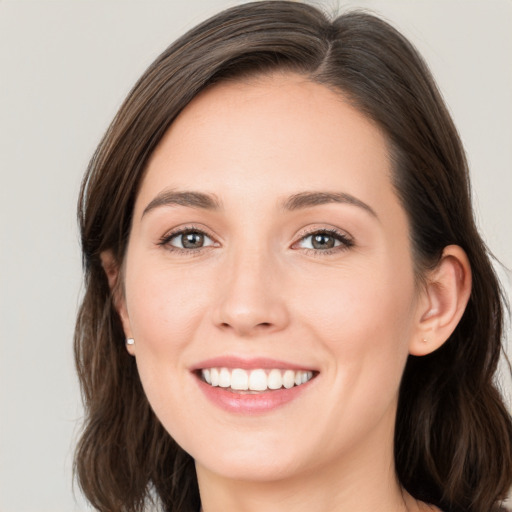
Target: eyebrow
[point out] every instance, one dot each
(295, 202)
(183, 198)
(309, 199)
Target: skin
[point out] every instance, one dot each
(259, 289)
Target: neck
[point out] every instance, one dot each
(309, 494)
(359, 481)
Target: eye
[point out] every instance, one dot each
(188, 239)
(324, 240)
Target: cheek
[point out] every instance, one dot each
(364, 327)
(164, 305)
(358, 297)
(365, 321)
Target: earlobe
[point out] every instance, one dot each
(112, 271)
(443, 302)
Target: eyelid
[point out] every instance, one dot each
(346, 240)
(188, 228)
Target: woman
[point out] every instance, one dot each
(288, 305)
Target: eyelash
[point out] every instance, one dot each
(345, 241)
(166, 239)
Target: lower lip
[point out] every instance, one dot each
(246, 403)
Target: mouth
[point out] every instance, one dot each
(252, 386)
(255, 381)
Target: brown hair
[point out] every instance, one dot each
(453, 434)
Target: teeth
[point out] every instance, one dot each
(214, 376)
(288, 379)
(274, 380)
(224, 378)
(255, 380)
(258, 380)
(239, 380)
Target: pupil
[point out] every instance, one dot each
(192, 240)
(323, 242)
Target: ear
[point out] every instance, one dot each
(443, 301)
(113, 273)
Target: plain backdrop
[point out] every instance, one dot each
(65, 67)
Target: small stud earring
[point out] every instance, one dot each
(130, 341)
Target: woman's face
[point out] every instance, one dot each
(269, 249)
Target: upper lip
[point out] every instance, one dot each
(252, 363)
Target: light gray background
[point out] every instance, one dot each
(65, 67)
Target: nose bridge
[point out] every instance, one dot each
(250, 298)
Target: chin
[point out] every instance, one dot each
(254, 469)
(243, 456)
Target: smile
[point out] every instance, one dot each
(253, 386)
(257, 380)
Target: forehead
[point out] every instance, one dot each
(277, 134)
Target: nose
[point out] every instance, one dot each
(251, 299)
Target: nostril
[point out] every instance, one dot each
(244, 318)
(263, 325)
